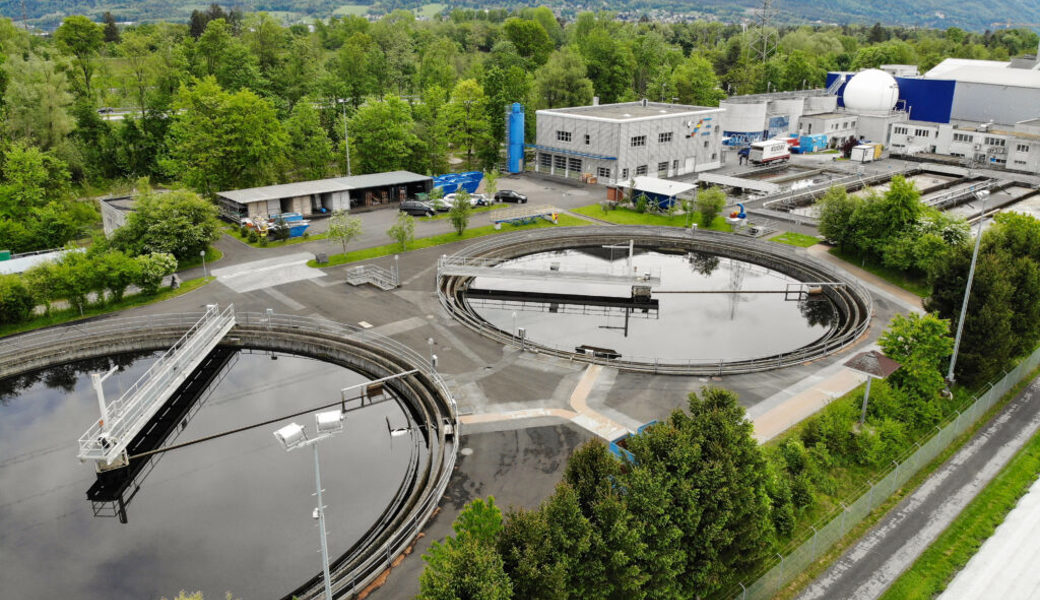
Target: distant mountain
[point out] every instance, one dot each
(977, 15)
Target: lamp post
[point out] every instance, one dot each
(874, 365)
(293, 437)
(346, 141)
(202, 253)
(980, 195)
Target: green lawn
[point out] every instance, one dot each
(235, 233)
(893, 276)
(56, 317)
(936, 567)
(351, 9)
(444, 238)
(212, 256)
(795, 239)
(627, 216)
(431, 10)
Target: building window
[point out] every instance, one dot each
(588, 139)
(845, 125)
(662, 168)
(714, 156)
(854, 123)
(639, 140)
(574, 164)
(705, 143)
(904, 131)
(675, 165)
(922, 132)
(640, 170)
(563, 136)
(1022, 148)
(560, 162)
(544, 159)
(624, 173)
(1020, 162)
(963, 137)
(992, 141)
(603, 172)
(665, 137)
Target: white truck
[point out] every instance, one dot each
(769, 151)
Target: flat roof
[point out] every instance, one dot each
(656, 185)
(321, 186)
(992, 72)
(630, 111)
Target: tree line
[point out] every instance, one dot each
(235, 99)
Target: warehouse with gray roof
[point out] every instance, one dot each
(322, 196)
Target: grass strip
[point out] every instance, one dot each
(893, 276)
(795, 239)
(444, 238)
(66, 315)
(937, 565)
(212, 256)
(626, 216)
(795, 587)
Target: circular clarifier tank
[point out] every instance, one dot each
(230, 514)
(679, 302)
(707, 308)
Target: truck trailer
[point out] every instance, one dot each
(769, 151)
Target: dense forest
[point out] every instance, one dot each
(976, 16)
(232, 100)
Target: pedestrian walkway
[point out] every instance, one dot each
(268, 272)
(867, 569)
(582, 414)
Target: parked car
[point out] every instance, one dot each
(474, 200)
(417, 208)
(441, 204)
(510, 196)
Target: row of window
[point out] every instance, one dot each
(636, 141)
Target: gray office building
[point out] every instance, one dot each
(617, 142)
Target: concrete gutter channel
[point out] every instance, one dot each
(852, 301)
(425, 394)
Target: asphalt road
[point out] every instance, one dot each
(867, 569)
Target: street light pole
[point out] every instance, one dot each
(205, 273)
(293, 437)
(321, 527)
(967, 288)
(346, 139)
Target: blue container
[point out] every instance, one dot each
(515, 149)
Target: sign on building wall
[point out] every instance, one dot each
(778, 125)
(743, 138)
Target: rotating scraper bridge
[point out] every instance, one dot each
(424, 393)
(455, 274)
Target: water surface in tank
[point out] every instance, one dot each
(726, 326)
(232, 514)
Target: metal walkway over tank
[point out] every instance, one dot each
(455, 266)
(121, 420)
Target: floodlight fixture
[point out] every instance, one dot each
(329, 422)
(291, 436)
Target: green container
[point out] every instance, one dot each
(5, 255)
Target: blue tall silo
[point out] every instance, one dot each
(515, 149)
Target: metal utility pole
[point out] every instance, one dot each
(346, 139)
(321, 526)
(981, 195)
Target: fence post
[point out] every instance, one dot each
(743, 593)
(779, 575)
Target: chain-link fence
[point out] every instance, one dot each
(819, 539)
